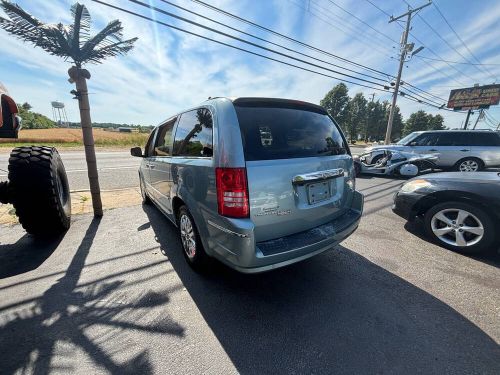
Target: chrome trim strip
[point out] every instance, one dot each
(226, 230)
(317, 176)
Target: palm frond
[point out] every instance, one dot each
(115, 49)
(21, 24)
(69, 42)
(111, 34)
(80, 30)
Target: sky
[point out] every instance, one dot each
(169, 71)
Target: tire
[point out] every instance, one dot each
(195, 254)
(469, 165)
(444, 230)
(376, 159)
(144, 194)
(357, 169)
(39, 190)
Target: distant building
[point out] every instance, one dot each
(124, 129)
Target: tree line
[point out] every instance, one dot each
(363, 119)
(33, 120)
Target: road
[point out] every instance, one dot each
(116, 296)
(117, 169)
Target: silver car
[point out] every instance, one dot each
(257, 183)
(461, 150)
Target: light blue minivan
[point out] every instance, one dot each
(257, 183)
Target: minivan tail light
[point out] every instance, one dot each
(232, 192)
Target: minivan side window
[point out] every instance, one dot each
(194, 135)
(426, 139)
(148, 150)
(454, 139)
(163, 141)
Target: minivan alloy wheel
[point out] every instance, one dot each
(469, 166)
(457, 227)
(187, 235)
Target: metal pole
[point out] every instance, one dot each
(478, 118)
(467, 118)
(401, 64)
(398, 80)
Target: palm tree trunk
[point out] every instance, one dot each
(79, 77)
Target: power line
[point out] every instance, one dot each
(454, 62)
(232, 46)
(219, 10)
(290, 39)
(159, 10)
(339, 26)
(252, 52)
(461, 40)
(430, 50)
(363, 22)
(444, 40)
(380, 9)
(259, 38)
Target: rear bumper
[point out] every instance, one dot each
(244, 255)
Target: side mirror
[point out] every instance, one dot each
(413, 143)
(136, 151)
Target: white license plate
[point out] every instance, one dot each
(318, 191)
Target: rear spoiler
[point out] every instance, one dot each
(277, 102)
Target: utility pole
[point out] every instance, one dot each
(467, 119)
(405, 49)
(479, 117)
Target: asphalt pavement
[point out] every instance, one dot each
(116, 296)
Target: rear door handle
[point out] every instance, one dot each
(464, 150)
(432, 150)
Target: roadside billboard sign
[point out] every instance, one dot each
(474, 97)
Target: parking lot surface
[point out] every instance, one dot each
(116, 296)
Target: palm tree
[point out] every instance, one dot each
(73, 43)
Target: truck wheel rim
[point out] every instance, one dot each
(457, 227)
(187, 236)
(469, 166)
(61, 190)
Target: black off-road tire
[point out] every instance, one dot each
(39, 190)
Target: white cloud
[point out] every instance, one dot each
(168, 71)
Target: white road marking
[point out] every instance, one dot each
(98, 169)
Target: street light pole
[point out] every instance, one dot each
(405, 48)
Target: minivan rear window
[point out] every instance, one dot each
(284, 132)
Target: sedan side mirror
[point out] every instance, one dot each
(136, 151)
(413, 143)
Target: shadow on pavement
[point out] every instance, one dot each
(27, 254)
(335, 313)
(32, 330)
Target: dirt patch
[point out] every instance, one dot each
(81, 203)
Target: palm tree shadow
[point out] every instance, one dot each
(65, 312)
